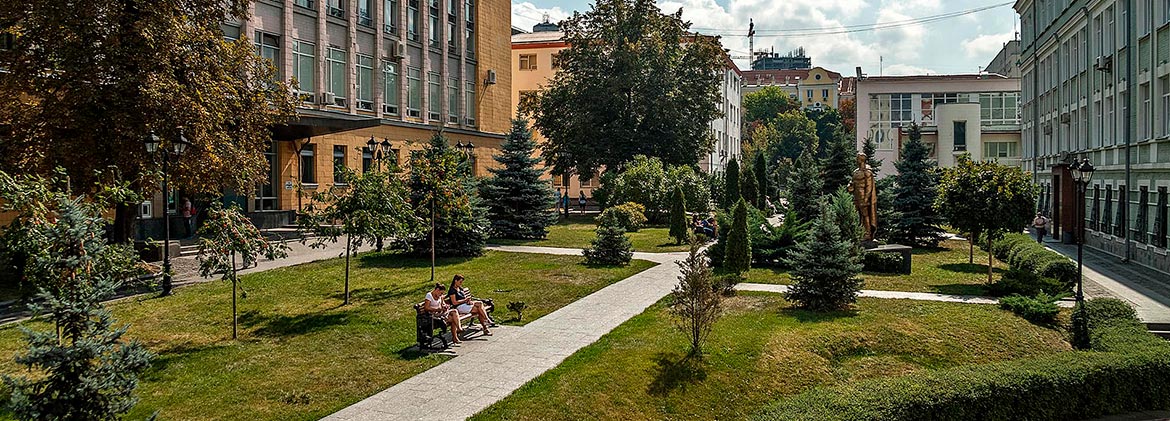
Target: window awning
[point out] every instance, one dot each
(312, 123)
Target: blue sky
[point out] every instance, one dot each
(956, 45)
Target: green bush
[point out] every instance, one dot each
(1104, 310)
(770, 244)
(610, 248)
(1059, 268)
(1024, 255)
(629, 216)
(1016, 281)
(1041, 309)
(1125, 371)
(882, 262)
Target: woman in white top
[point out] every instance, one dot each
(434, 305)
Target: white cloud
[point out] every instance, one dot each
(905, 69)
(526, 14)
(986, 46)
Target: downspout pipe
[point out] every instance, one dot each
(1130, 74)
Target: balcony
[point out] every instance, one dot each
(363, 19)
(336, 12)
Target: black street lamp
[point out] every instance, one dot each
(155, 148)
(1082, 173)
(468, 151)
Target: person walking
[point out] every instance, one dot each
(188, 212)
(582, 200)
(1040, 224)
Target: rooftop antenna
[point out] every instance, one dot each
(751, 42)
(546, 18)
(881, 66)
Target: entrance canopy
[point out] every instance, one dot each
(312, 123)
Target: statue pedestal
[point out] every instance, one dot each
(905, 251)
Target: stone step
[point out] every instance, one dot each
(1164, 334)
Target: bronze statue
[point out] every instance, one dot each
(864, 191)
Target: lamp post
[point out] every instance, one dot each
(155, 148)
(468, 151)
(1083, 174)
(378, 150)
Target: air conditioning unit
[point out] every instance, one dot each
(397, 49)
(1104, 63)
(491, 78)
(327, 98)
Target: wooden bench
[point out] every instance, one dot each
(426, 324)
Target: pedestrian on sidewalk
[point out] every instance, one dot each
(582, 200)
(1040, 224)
(188, 212)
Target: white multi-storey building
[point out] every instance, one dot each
(726, 129)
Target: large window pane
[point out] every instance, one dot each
(453, 100)
(414, 91)
(434, 96)
(365, 82)
(390, 89)
(304, 66)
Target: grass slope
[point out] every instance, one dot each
(300, 354)
(761, 350)
(578, 231)
(943, 270)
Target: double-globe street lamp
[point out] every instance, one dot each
(156, 148)
(1082, 173)
(378, 153)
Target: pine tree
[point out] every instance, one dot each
(731, 192)
(840, 162)
(678, 216)
(914, 197)
(84, 369)
(869, 148)
(695, 301)
(824, 268)
(519, 203)
(845, 216)
(739, 248)
(760, 169)
(747, 186)
(805, 186)
(611, 247)
(442, 195)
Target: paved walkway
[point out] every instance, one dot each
(1106, 276)
(921, 296)
(487, 371)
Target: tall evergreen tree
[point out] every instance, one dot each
(678, 216)
(840, 161)
(914, 197)
(824, 268)
(83, 369)
(739, 246)
(747, 186)
(805, 186)
(731, 193)
(442, 195)
(869, 148)
(760, 169)
(519, 204)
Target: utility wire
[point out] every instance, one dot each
(802, 32)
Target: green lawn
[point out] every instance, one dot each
(578, 231)
(300, 354)
(761, 350)
(944, 270)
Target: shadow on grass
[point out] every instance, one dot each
(166, 357)
(401, 261)
(281, 326)
(373, 295)
(809, 316)
(675, 373)
(413, 352)
(968, 268)
(959, 289)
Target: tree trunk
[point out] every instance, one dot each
(989, 266)
(348, 241)
(432, 240)
(234, 281)
(971, 249)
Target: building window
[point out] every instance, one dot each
(367, 159)
(266, 192)
(1145, 112)
(268, 46)
(453, 100)
(336, 75)
(469, 16)
(900, 111)
(469, 95)
(304, 67)
(960, 135)
(412, 20)
(999, 108)
(338, 163)
(231, 33)
(810, 92)
(337, 8)
(1000, 150)
(390, 17)
(1141, 224)
(434, 96)
(824, 93)
(413, 92)
(1160, 218)
(1122, 208)
(308, 165)
(1095, 212)
(365, 82)
(528, 62)
(390, 89)
(1164, 85)
(1107, 218)
(363, 13)
(308, 4)
(433, 15)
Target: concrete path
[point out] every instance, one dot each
(1106, 276)
(921, 296)
(489, 370)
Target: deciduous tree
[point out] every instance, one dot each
(633, 81)
(696, 300)
(767, 103)
(228, 235)
(442, 194)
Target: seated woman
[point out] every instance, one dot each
(435, 306)
(461, 300)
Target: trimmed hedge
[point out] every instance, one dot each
(1127, 370)
(882, 262)
(1041, 309)
(1025, 256)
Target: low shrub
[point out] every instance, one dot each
(1019, 282)
(610, 248)
(1041, 309)
(770, 245)
(629, 216)
(1126, 370)
(1024, 255)
(1106, 310)
(882, 262)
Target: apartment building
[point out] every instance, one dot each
(815, 88)
(1096, 85)
(388, 70)
(534, 60)
(958, 114)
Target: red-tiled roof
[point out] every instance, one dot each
(779, 76)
